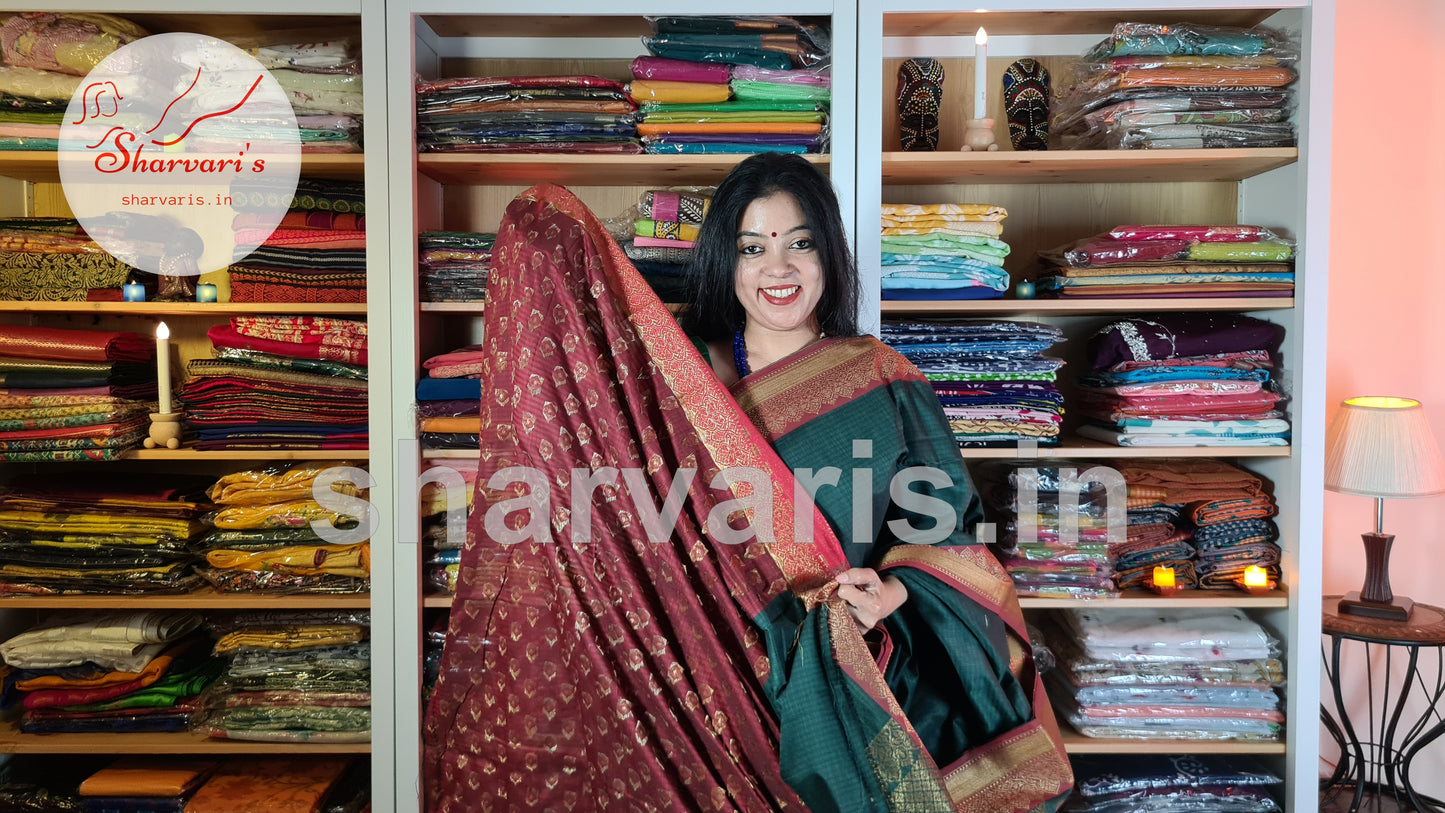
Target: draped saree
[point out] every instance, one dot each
(600, 657)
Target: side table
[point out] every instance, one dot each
(1373, 773)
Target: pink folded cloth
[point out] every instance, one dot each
(754, 74)
(678, 70)
(657, 243)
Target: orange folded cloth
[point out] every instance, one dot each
(669, 92)
(463, 425)
(272, 784)
(149, 776)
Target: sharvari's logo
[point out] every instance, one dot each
(179, 154)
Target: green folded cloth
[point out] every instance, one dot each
(1263, 251)
(751, 90)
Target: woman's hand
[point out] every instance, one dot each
(870, 597)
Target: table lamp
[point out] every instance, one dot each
(1381, 447)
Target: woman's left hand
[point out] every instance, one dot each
(870, 597)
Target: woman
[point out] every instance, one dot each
(595, 662)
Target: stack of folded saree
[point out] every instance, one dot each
(298, 676)
(1158, 782)
(1180, 86)
(1050, 546)
(943, 251)
(323, 82)
(996, 387)
(1132, 262)
(1183, 379)
(78, 533)
(283, 382)
(118, 672)
(52, 259)
(662, 236)
(445, 501)
(312, 784)
(317, 253)
(1197, 674)
(264, 538)
(1228, 508)
(553, 114)
(719, 100)
(44, 55)
(147, 784)
(40, 783)
(70, 395)
(454, 265)
(448, 399)
(1157, 536)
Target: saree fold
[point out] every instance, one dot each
(712, 667)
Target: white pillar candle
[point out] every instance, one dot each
(163, 367)
(980, 74)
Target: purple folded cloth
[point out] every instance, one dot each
(1171, 335)
(678, 70)
(803, 77)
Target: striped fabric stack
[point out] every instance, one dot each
(943, 251)
(317, 252)
(531, 114)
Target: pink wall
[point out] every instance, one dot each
(1387, 312)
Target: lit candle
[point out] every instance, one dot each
(1024, 290)
(980, 74)
(134, 292)
(1255, 576)
(163, 367)
(206, 292)
(1163, 576)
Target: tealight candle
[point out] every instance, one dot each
(1256, 576)
(206, 292)
(1163, 576)
(1024, 290)
(133, 292)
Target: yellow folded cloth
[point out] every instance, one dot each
(950, 211)
(257, 486)
(648, 90)
(300, 560)
(290, 636)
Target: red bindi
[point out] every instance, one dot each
(775, 234)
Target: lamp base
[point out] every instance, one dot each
(1397, 609)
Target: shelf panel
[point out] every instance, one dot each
(434, 600)
(205, 599)
(246, 454)
(191, 309)
(1083, 166)
(584, 170)
(1076, 743)
(185, 742)
(44, 167)
(451, 454)
(1052, 23)
(1140, 599)
(539, 26)
(1045, 307)
(453, 307)
(1080, 447)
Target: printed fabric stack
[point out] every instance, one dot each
(292, 677)
(317, 253)
(1140, 262)
(552, 114)
(283, 382)
(52, 259)
(996, 387)
(943, 251)
(1059, 548)
(733, 85)
(454, 265)
(323, 82)
(1173, 782)
(113, 673)
(449, 399)
(85, 533)
(1180, 86)
(1196, 674)
(446, 499)
(1224, 511)
(662, 237)
(70, 395)
(1183, 379)
(265, 540)
(45, 55)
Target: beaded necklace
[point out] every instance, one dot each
(740, 354)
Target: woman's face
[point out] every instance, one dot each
(779, 273)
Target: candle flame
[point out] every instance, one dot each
(981, 38)
(162, 332)
(1255, 576)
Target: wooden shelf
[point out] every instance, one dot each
(1049, 23)
(453, 307)
(1083, 448)
(204, 599)
(190, 309)
(1083, 166)
(1076, 743)
(450, 454)
(246, 454)
(44, 167)
(181, 742)
(1140, 599)
(437, 600)
(1048, 307)
(525, 169)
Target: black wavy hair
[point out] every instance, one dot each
(714, 311)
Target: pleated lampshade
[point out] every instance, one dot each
(1382, 447)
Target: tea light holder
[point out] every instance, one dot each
(978, 136)
(1255, 581)
(133, 292)
(1162, 582)
(165, 430)
(206, 292)
(1024, 290)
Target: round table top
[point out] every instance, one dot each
(1426, 625)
